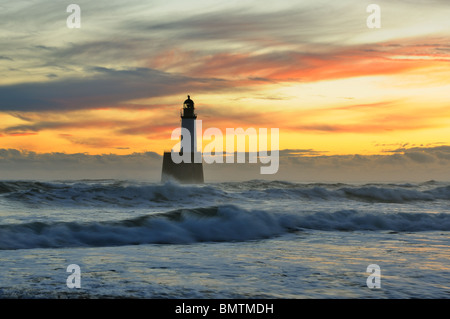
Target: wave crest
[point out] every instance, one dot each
(123, 194)
(207, 224)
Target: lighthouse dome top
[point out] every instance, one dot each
(189, 103)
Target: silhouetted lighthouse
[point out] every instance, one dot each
(188, 119)
(187, 171)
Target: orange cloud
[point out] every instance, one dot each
(318, 65)
(21, 134)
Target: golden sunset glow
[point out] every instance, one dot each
(314, 70)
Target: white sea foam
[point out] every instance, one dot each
(209, 224)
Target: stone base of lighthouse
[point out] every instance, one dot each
(185, 173)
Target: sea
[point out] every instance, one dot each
(95, 239)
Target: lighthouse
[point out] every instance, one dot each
(188, 119)
(191, 170)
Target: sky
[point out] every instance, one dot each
(350, 102)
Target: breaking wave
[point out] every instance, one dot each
(103, 193)
(208, 224)
(125, 194)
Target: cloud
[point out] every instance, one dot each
(300, 165)
(21, 164)
(205, 49)
(299, 152)
(334, 63)
(420, 157)
(129, 51)
(410, 165)
(103, 88)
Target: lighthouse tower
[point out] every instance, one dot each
(188, 119)
(190, 171)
